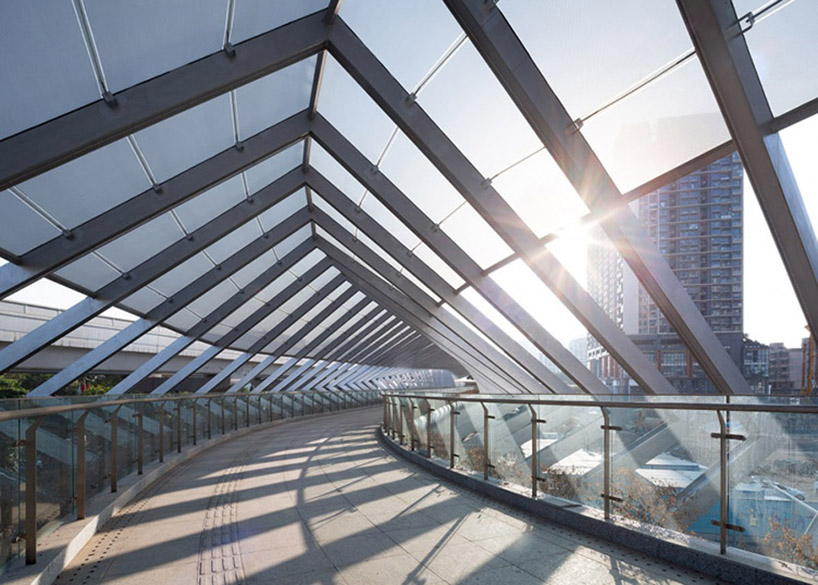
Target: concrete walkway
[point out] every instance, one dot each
(318, 501)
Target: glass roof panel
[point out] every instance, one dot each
(319, 202)
(283, 209)
(196, 212)
(298, 299)
(75, 192)
(289, 244)
(800, 142)
(183, 274)
(214, 297)
(342, 288)
(310, 260)
(143, 300)
(186, 139)
(332, 170)
(275, 97)
(311, 314)
(24, 229)
(672, 120)
(407, 36)
(276, 286)
(352, 112)
(389, 221)
(408, 275)
(540, 194)
(253, 17)
(88, 272)
(475, 236)
(267, 171)
(43, 63)
(130, 250)
(433, 261)
(369, 243)
(243, 312)
(419, 180)
(783, 50)
(234, 241)
(183, 320)
(472, 108)
(245, 275)
(140, 40)
(590, 52)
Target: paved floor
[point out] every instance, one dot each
(319, 502)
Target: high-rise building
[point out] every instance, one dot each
(696, 223)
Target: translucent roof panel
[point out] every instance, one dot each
(188, 138)
(298, 237)
(253, 17)
(234, 241)
(310, 260)
(433, 261)
(283, 209)
(471, 232)
(236, 317)
(196, 212)
(262, 174)
(783, 50)
(418, 178)
(298, 299)
(266, 101)
(143, 300)
(43, 63)
(671, 121)
(140, 40)
(130, 250)
(541, 195)
(590, 52)
(408, 275)
(319, 202)
(323, 279)
(213, 298)
(183, 274)
(24, 228)
(275, 287)
(460, 98)
(245, 276)
(326, 164)
(75, 192)
(183, 320)
(407, 36)
(89, 272)
(389, 221)
(352, 112)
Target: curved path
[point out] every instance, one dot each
(318, 501)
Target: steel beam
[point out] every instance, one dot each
(155, 267)
(437, 240)
(725, 57)
(493, 358)
(36, 150)
(387, 92)
(259, 345)
(60, 251)
(160, 313)
(217, 315)
(312, 345)
(505, 54)
(389, 243)
(400, 305)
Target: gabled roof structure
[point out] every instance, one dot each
(339, 185)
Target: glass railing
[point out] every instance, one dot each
(741, 471)
(56, 453)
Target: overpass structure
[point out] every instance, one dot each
(328, 196)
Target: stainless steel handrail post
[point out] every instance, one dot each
(260, 409)
(400, 422)
(385, 415)
(535, 452)
(193, 417)
(114, 447)
(140, 439)
(81, 470)
(223, 422)
(236, 415)
(161, 418)
(452, 414)
(487, 466)
(31, 491)
(429, 412)
(209, 402)
(178, 426)
(412, 409)
(606, 463)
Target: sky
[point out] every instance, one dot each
(631, 139)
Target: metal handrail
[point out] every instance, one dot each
(605, 403)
